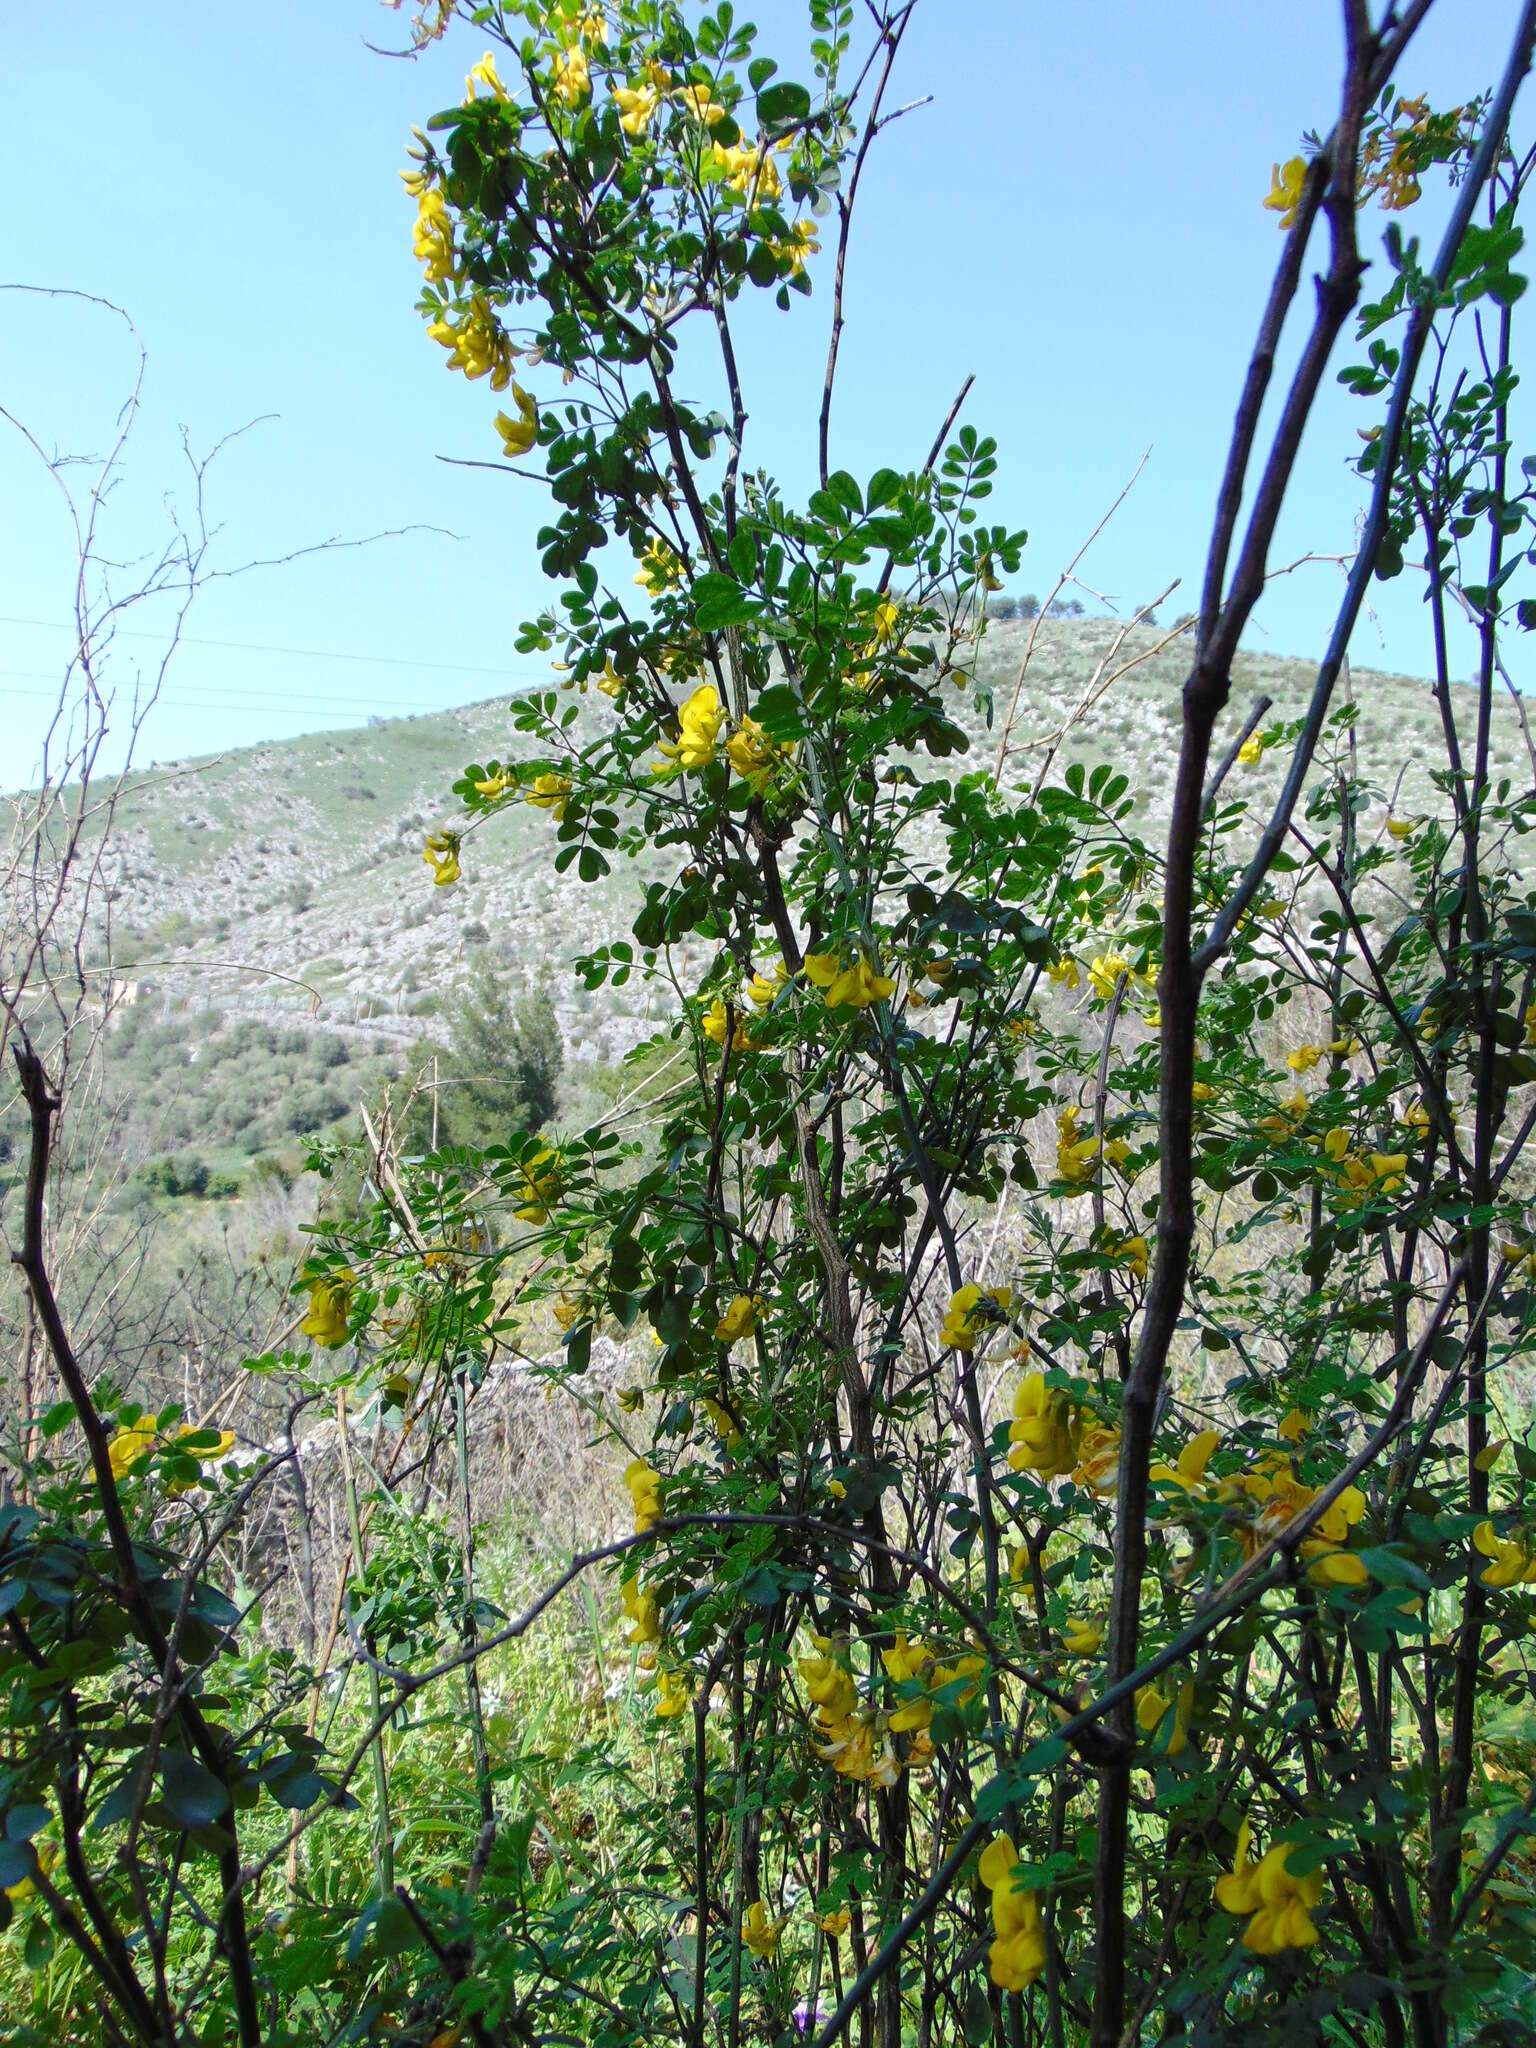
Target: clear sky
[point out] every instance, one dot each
(1076, 219)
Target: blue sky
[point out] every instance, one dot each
(1076, 219)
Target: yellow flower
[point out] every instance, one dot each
(478, 343)
(740, 1319)
(441, 854)
(432, 240)
(1075, 1156)
(519, 435)
(1065, 973)
(804, 242)
(1098, 1464)
(494, 786)
(592, 28)
(836, 1924)
(752, 754)
(1285, 189)
(550, 793)
(642, 1610)
(1188, 1471)
(1105, 972)
(1401, 828)
(971, 1310)
(674, 1694)
(1512, 1559)
(1281, 1905)
(724, 1422)
(1252, 750)
(696, 98)
(1153, 1709)
(751, 172)
(831, 1687)
(1042, 1431)
(572, 80)
(1132, 1252)
(698, 726)
(329, 1301)
(660, 568)
(858, 986)
(130, 1445)
(1294, 1425)
(1017, 1956)
(1304, 1058)
(637, 106)
(1082, 1638)
(713, 1025)
(645, 1492)
(484, 73)
(763, 989)
(759, 1933)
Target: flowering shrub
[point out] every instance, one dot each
(1104, 1627)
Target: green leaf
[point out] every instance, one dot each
(720, 601)
(780, 106)
(190, 1791)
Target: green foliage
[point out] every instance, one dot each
(1077, 1431)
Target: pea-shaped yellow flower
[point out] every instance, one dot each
(329, 1301)
(1284, 195)
(1017, 1955)
(441, 854)
(571, 79)
(641, 1609)
(130, 1445)
(1043, 1432)
(1165, 1716)
(973, 1309)
(740, 1319)
(856, 986)
(673, 1695)
(1281, 1905)
(698, 732)
(550, 793)
(1511, 1559)
(637, 106)
(518, 435)
(759, 1933)
(644, 1492)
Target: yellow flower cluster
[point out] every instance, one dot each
(1077, 1155)
(856, 986)
(550, 793)
(748, 170)
(740, 1319)
(518, 435)
(972, 1310)
(644, 1484)
(857, 1744)
(698, 733)
(131, 1445)
(1017, 1955)
(441, 854)
(477, 343)
(717, 1019)
(1280, 1906)
(1278, 1497)
(760, 1933)
(329, 1302)
(1044, 1431)
(432, 239)
(913, 1663)
(1284, 195)
(753, 755)
(1512, 1559)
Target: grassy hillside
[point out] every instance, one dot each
(282, 942)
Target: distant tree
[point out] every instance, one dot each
(1029, 607)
